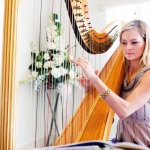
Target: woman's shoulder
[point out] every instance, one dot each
(144, 70)
(145, 74)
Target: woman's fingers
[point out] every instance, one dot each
(80, 61)
(85, 65)
(96, 72)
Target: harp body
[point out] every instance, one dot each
(93, 119)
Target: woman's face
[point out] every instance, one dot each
(132, 44)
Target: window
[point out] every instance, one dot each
(129, 12)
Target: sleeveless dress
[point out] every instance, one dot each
(136, 127)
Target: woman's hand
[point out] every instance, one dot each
(85, 80)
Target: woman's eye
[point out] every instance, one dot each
(124, 43)
(133, 43)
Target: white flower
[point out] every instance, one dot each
(59, 58)
(49, 64)
(46, 65)
(63, 71)
(72, 74)
(57, 20)
(33, 46)
(34, 74)
(41, 77)
(46, 56)
(58, 72)
(39, 64)
(52, 64)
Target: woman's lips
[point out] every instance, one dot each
(129, 53)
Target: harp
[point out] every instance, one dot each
(95, 123)
(92, 42)
(90, 125)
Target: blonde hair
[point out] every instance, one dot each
(144, 31)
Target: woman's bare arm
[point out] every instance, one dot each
(123, 108)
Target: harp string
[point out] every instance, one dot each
(43, 125)
(83, 54)
(50, 113)
(52, 125)
(37, 37)
(40, 121)
(103, 45)
(66, 100)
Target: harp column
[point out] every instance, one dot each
(9, 76)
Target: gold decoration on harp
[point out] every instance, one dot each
(95, 42)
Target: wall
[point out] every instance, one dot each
(26, 28)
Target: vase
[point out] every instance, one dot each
(59, 103)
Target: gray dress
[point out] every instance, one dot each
(136, 127)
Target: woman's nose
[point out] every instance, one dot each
(129, 46)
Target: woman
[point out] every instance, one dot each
(133, 106)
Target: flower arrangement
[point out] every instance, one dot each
(52, 65)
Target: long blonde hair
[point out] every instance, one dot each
(144, 31)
